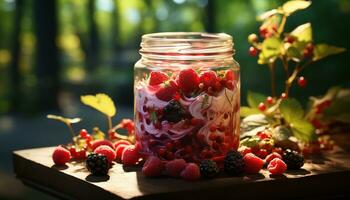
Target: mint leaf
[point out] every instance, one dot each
(303, 130)
(291, 110)
(246, 111)
(254, 99)
(324, 50)
(291, 6)
(303, 33)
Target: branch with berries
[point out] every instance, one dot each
(280, 116)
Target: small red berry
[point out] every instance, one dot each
(157, 77)
(289, 39)
(263, 135)
(119, 150)
(61, 155)
(272, 156)
(284, 96)
(208, 79)
(262, 153)
(262, 106)
(277, 166)
(101, 142)
(253, 51)
(212, 128)
(173, 168)
(302, 81)
(270, 100)
(120, 142)
(130, 155)
(263, 32)
(83, 133)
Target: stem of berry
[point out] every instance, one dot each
(109, 122)
(283, 23)
(272, 73)
(71, 130)
(294, 75)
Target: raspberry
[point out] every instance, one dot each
(208, 168)
(98, 143)
(272, 156)
(157, 78)
(120, 142)
(152, 167)
(130, 155)
(244, 150)
(119, 150)
(107, 151)
(208, 79)
(60, 155)
(277, 166)
(229, 76)
(188, 81)
(234, 163)
(253, 164)
(261, 153)
(191, 172)
(166, 93)
(173, 168)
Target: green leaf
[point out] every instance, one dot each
(324, 50)
(291, 110)
(100, 102)
(294, 53)
(303, 33)
(254, 99)
(291, 6)
(246, 111)
(267, 14)
(253, 123)
(271, 47)
(303, 130)
(250, 142)
(63, 119)
(262, 59)
(339, 108)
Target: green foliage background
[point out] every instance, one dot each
(120, 24)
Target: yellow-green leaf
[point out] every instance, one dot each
(63, 119)
(246, 111)
(324, 50)
(291, 110)
(254, 99)
(271, 47)
(303, 130)
(100, 102)
(291, 6)
(303, 33)
(267, 14)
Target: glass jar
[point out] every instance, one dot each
(187, 96)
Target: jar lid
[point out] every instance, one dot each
(186, 45)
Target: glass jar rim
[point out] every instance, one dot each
(186, 45)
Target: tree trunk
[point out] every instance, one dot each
(210, 18)
(14, 67)
(92, 53)
(47, 66)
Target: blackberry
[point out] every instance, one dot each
(173, 111)
(293, 159)
(234, 163)
(208, 168)
(97, 164)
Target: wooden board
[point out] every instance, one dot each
(326, 176)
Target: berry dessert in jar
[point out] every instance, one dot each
(187, 96)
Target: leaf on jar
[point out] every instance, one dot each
(324, 50)
(291, 6)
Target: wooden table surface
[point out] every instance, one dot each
(324, 177)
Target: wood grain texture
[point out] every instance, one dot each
(325, 176)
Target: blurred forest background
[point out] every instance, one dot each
(53, 51)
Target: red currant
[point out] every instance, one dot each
(83, 133)
(290, 39)
(302, 81)
(270, 100)
(284, 96)
(263, 32)
(262, 106)
(308, 51)
(253, 51)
